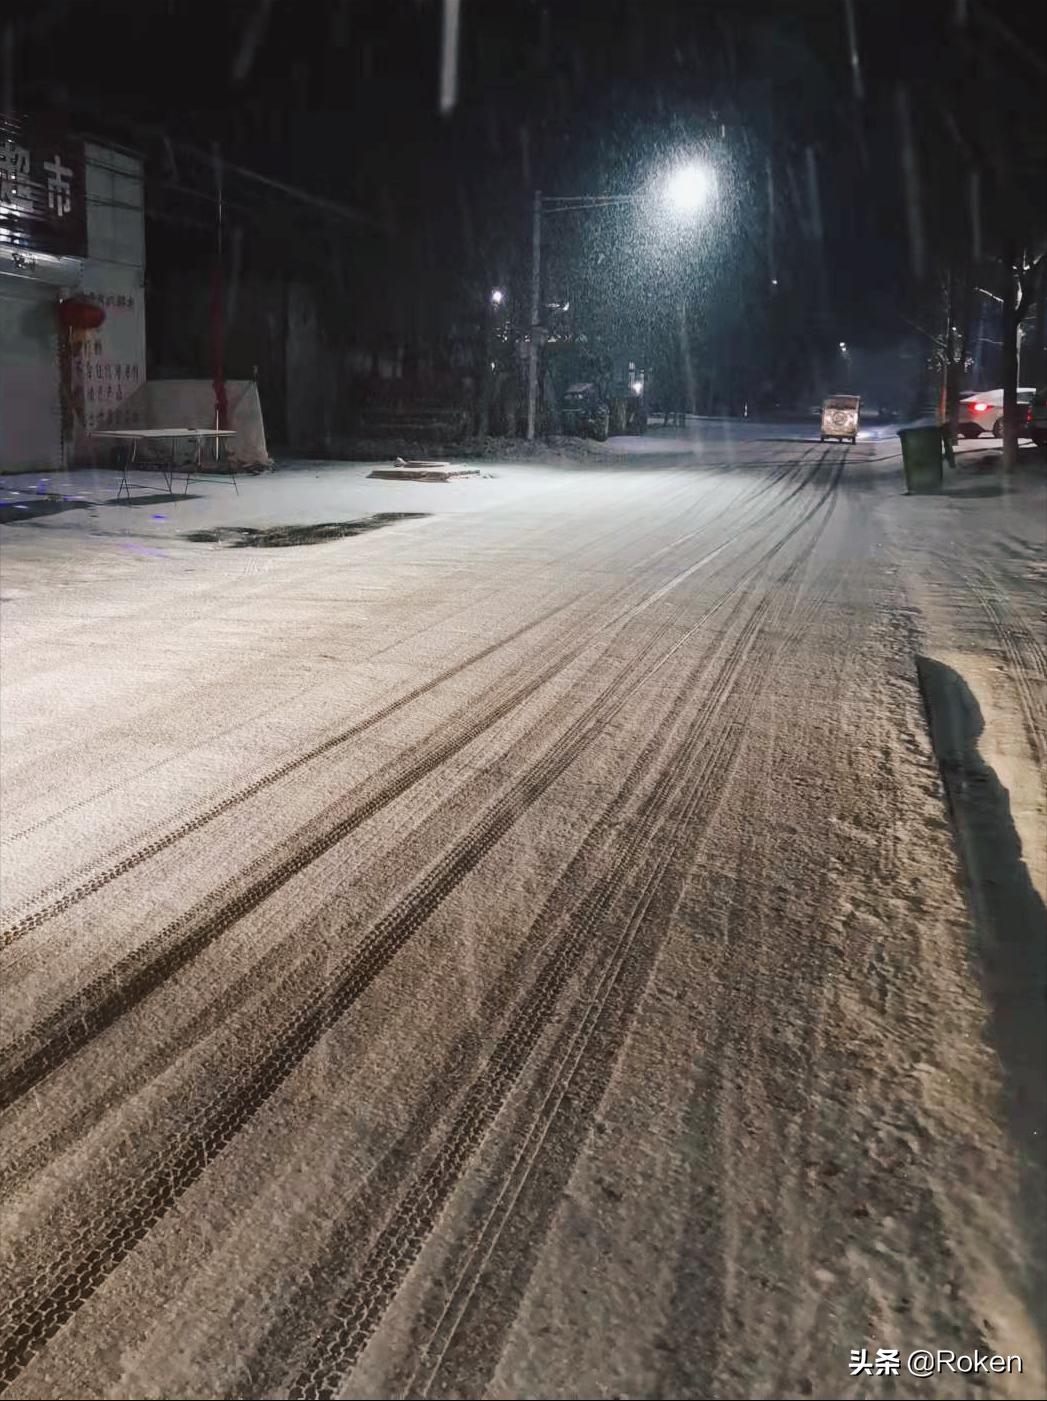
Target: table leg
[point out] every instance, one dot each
(189, 470)
(222, 445)
(127, 459)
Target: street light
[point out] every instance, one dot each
(497, 297)
(688, 188)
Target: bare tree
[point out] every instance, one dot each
(1022, 287)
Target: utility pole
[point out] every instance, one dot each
(536, 284)
(695, 182)
(947, 353)
(218, 309)
(486, 377)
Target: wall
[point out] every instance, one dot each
(309, 374)
(285, 331)
(107, 365)
(43, 242)
(255, 333)
(56, 385)
(30, 404)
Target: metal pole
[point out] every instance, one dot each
(536, 282)
(218, 310)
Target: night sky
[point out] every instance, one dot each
(341, 99)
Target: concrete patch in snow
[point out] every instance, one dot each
(425, 471)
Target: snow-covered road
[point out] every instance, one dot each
(524, 950)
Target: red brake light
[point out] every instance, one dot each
(978, 408)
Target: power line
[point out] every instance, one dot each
(333, 208)
(329, 206)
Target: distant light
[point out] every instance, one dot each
(497, 297)
(566, 306)
(688, 188)
(637, 386)
(774, 282)
(843, 345)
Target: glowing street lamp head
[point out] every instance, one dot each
(688, 188)
(497, 297)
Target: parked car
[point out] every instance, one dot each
(983, 412)
(1036, 419)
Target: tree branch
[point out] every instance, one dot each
(937, 341)
(1027, 280)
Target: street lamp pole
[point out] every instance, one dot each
(536, 284)
(557, 205)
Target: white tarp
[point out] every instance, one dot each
(189, 403)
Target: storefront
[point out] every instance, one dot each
(71, 231)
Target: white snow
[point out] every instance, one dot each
(675, 1061)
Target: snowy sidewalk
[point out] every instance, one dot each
(974, 558)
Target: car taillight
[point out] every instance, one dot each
(979, 408)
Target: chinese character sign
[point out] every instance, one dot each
(107, 366)
(59, 189)
(15, 193)
(43, 205)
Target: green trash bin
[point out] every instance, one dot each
(922, 458)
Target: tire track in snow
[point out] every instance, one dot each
(16, 1173)
(100, 879)
(1024, 652)
(703, 762)
(487, 1289)
(36, 1313)
(104, 999)
(101, 1001)
(58, 898)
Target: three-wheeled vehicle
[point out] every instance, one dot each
(840, 416)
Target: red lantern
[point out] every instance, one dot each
(80, 315)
